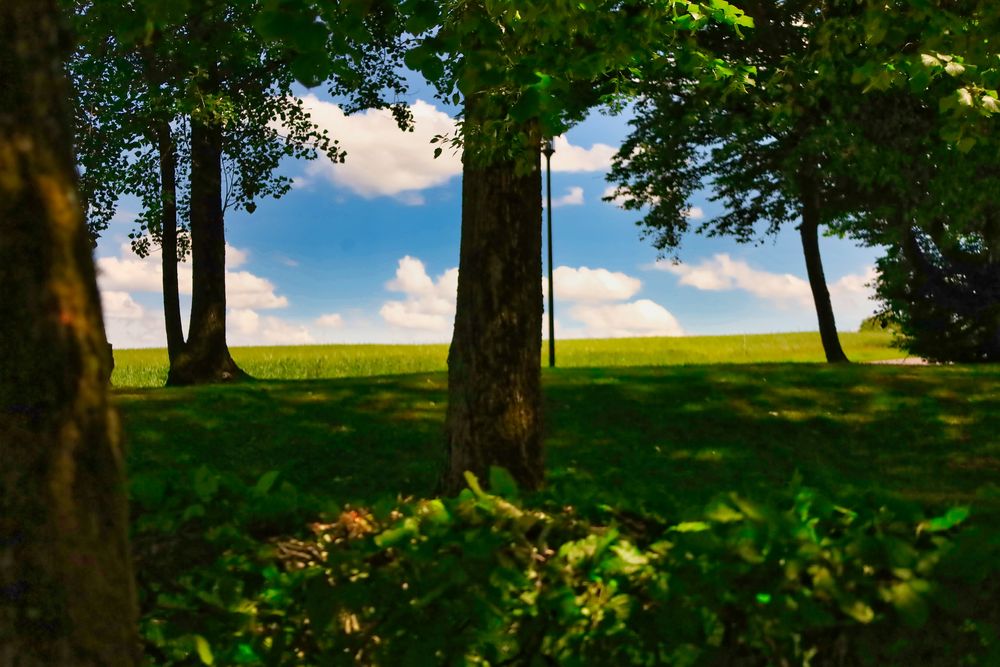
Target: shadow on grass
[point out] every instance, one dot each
(666, 439)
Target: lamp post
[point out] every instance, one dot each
(548, 149)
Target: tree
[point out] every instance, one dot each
(213, 101)
(65, 571)
(772, 154)
(524, 71)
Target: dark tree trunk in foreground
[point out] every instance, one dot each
(205, 358)
(494, 372)
(809, 231)
(168, 241)
(66, 587)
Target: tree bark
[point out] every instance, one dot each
(66, 589)
(168, 241)
(494, 370)
(809, 231)
(206, 358)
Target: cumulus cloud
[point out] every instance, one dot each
(129, 273)
(722, 272)
(429, 305)
(121, 305)
(626, 320)
(130, 324)
(575, 159)
(592, 297)
(247, 327)
(585, 284)
(330, 321)
(695, 213)
(573, 197)
(245, 290)
(382, 161)
(851, 294)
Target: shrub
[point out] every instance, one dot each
(484, 579)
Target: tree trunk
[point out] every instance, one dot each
(205, 358)
(494, 372)
(67, 595)
(809, 231)
(168, 241)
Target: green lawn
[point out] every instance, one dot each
(148, 368)
(663, 438)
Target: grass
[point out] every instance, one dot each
(148, 368)
(665, 439)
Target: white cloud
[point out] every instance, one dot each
(573, 197)
(585, 284)
(277, 331)
(382, 161)
(619, 197)
(247, 327)
(574, 159)
(130, 324)
(695, 213)
(245, 290)
(120, 305)
(330, 321)
(625, 320)
(429, 305)
(129, 273)
(242, 321)
(722, 272)
(235, 257)
(851, 294)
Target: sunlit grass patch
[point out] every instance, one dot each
(148, 368)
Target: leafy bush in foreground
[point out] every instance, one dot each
(483, 579)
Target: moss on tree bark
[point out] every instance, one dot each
(66, 588)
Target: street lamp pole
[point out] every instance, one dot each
(548, 149)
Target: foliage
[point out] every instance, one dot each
(944, 293)
(943, 52)
(486, 579)
(763, 152)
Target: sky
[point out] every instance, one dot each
(367, 252)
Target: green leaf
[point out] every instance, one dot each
(502, 482)
(909, 603)
(204, 650)
(206, 483)
(266, 481)
(690, 527)
(955, 515)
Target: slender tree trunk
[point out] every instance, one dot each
(168, 241)
(205, 358)
(66, 587)
(809, 231)
(494, 372)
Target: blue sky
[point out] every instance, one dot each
(366, 252)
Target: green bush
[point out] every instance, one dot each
(483, 579)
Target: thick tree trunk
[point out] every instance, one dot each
(66, 588)
(168, 241)
(494, 373)
(205, 358)
(809, 231)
